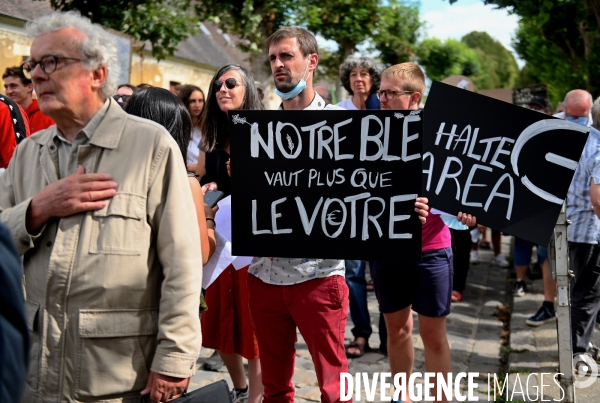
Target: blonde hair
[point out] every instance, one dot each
(411, 75)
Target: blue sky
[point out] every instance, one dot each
(454, 21)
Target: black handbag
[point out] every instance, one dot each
(217, 392)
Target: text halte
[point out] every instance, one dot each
(336, 214)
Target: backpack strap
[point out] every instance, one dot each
(17, 118)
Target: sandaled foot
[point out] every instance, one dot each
(457, 296)
(357, 348)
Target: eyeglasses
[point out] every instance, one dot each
(125, 98)
(391, 94)
(230, 83)
(47, 63)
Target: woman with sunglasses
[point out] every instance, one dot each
(226, 326)
(193, 98)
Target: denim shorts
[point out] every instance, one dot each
(426, 285)
(522, 253)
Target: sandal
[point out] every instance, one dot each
(457, 296)
(362, 348)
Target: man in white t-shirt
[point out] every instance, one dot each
(285, 293)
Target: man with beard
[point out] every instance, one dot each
(311, 294)
(314, 295)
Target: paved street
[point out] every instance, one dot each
(535, 350)
(479, 340)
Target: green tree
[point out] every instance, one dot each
(445, 58)
(252, 21)
(570, 29)
(387, 28)
(347, 22)
(396, 32)
(545, 63)
(499, 64)
(162, 23)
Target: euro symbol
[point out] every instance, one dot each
(330, 217)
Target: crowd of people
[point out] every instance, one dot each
(104, 199)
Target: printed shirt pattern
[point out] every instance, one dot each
(289, 271)
(585, 226)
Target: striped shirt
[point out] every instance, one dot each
(585, 226)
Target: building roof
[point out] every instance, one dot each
(210, 48)
(204, 49)
(25, 10)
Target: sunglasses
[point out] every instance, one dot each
(125, 98)
(230, 83)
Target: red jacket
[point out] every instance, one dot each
(37, 120)
(8, 139)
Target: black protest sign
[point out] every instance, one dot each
(509, 166)
(523, 95)
(326, 184)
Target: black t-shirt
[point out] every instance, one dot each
(216, 171)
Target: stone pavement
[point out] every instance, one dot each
(534, 350)
(474, 334)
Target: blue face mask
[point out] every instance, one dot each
(452, 222)
(301, 86)
(580, 120)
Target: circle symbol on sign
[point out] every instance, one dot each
(588, 368)
(331, 216)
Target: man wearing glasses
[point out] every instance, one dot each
(101, 208)
(402, 286)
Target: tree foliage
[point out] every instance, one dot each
(347, 22)
(388, 29)
(445, 58)
(396, 32)
(499, 67)
(562, 31)
(163, 23)
(251, 20)
(545, 63)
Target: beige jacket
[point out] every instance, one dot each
(114, 293)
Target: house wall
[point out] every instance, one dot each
(148, 70)
(14, 44)
(15, 47)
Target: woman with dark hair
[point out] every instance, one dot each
(193, 98)
(164, 108)
(227, 326)
(360, 76)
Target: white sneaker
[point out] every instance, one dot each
(474, 257)
(501, 261)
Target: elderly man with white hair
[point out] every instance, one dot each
(101, 209)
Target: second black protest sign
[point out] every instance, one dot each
(509, 166)
(326, 184)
